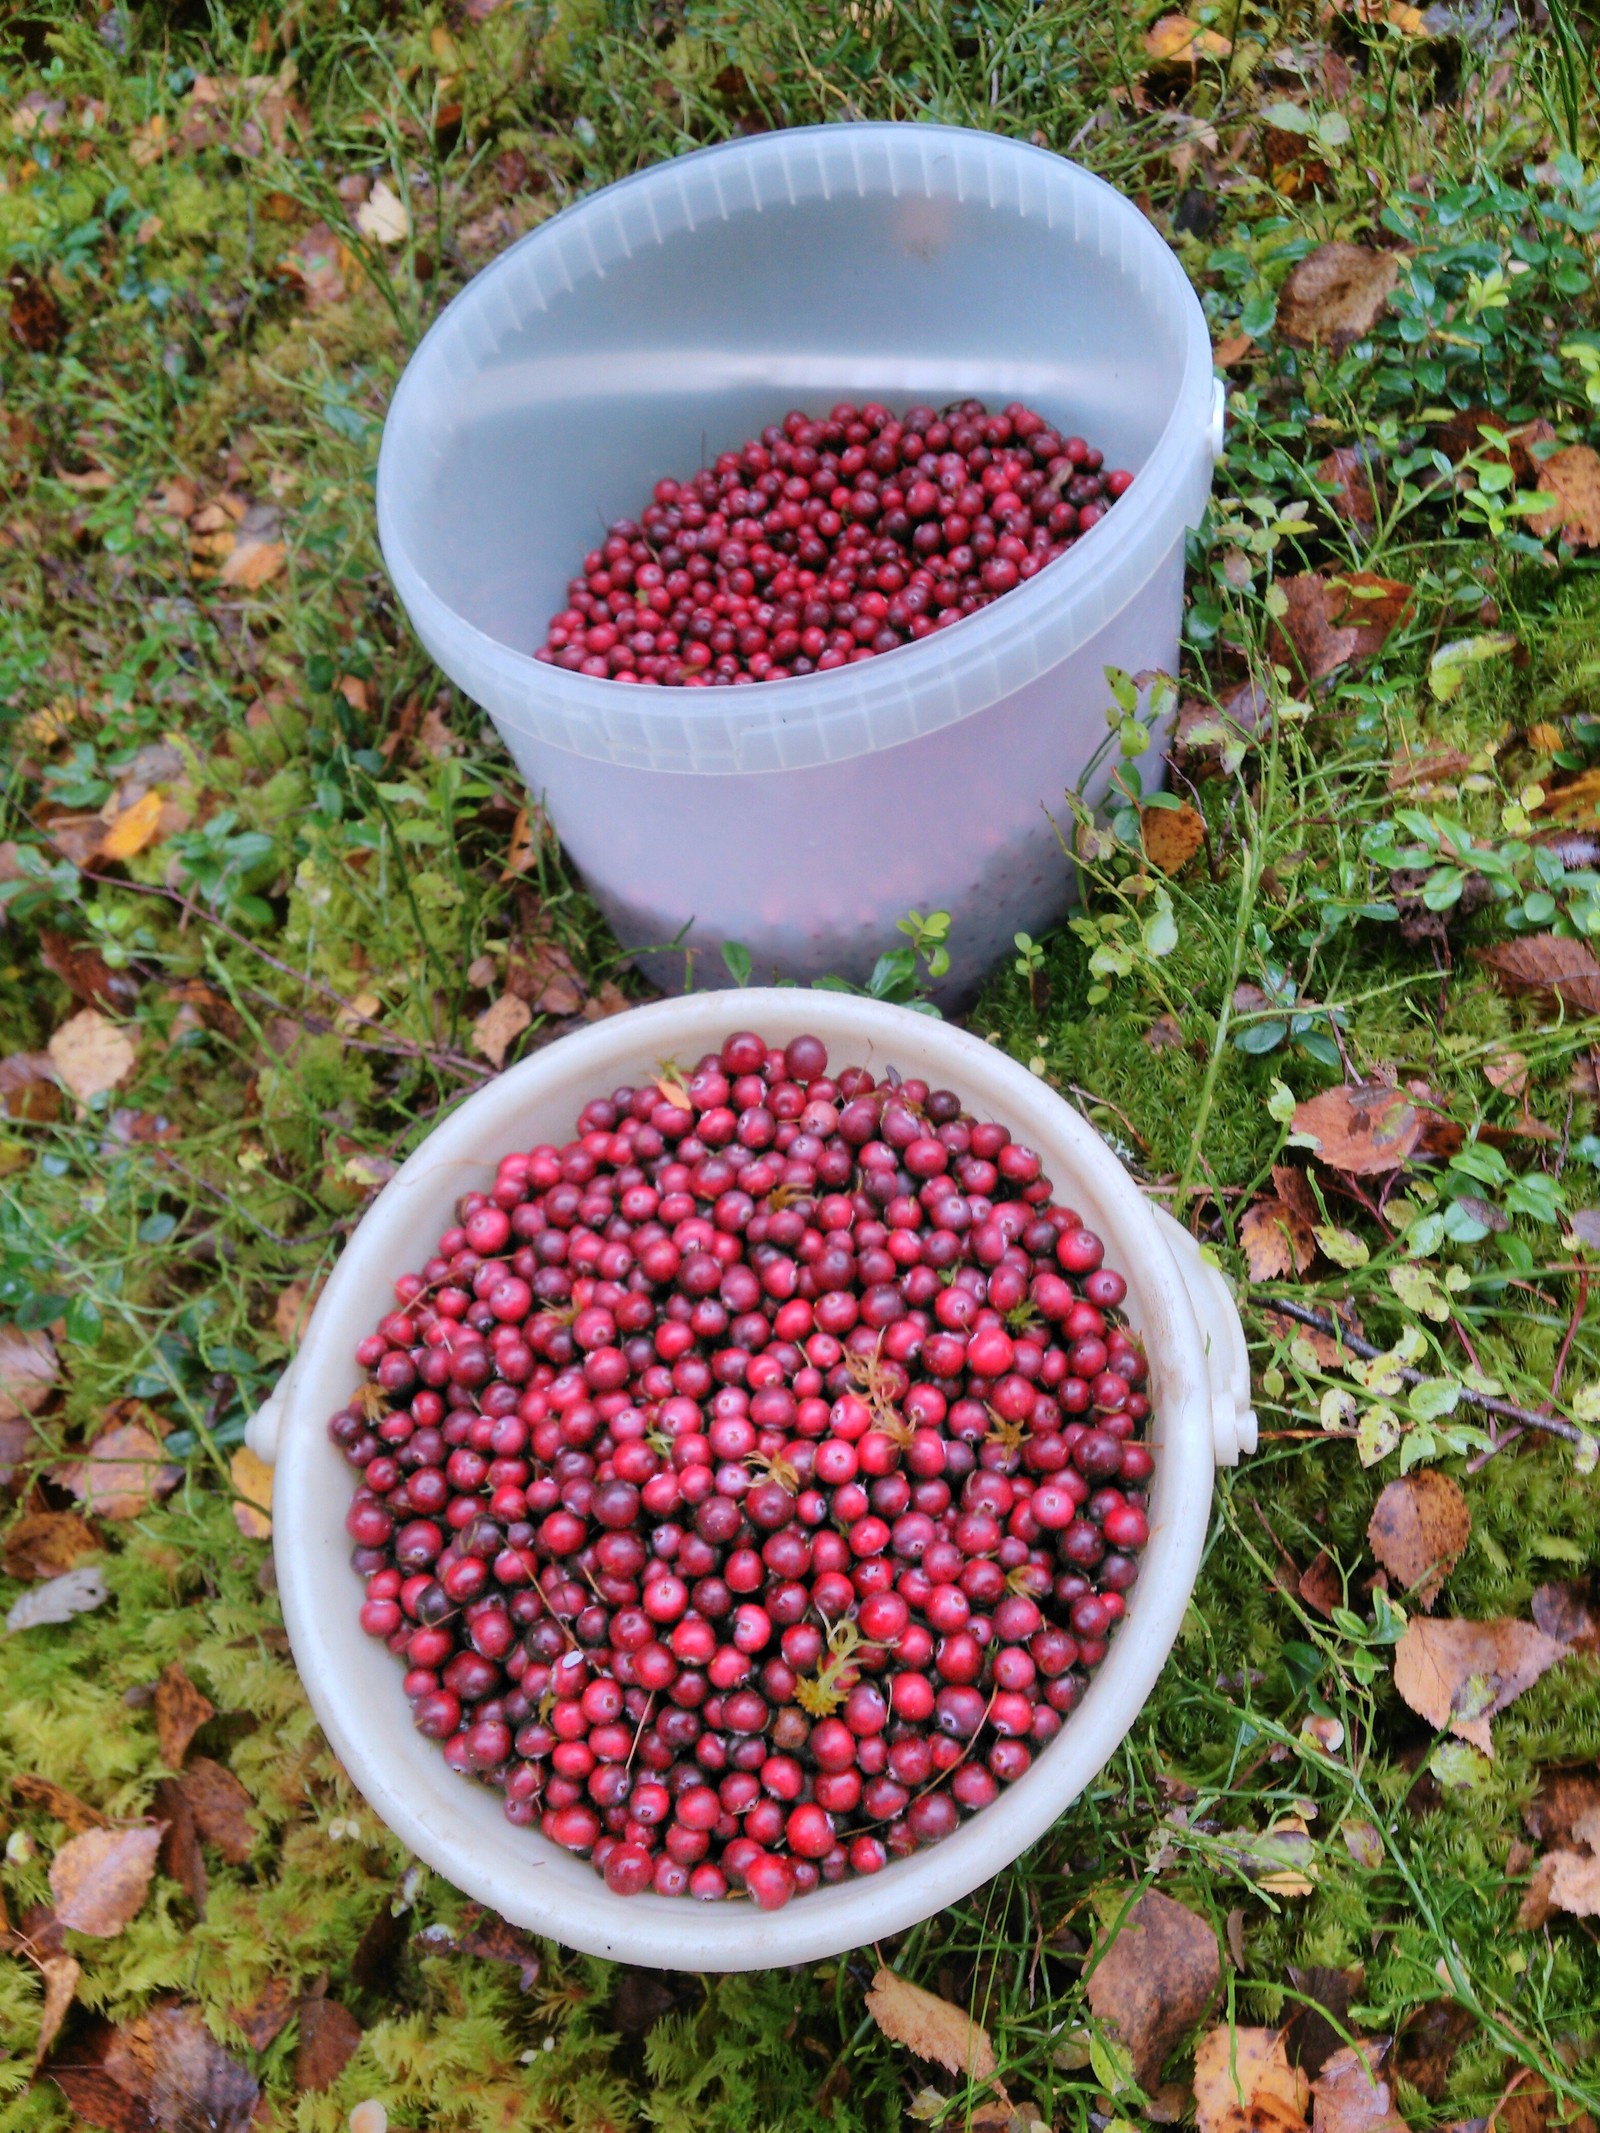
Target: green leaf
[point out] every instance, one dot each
(1342, 1246)
(1447, 669)
(736, 956)
(1432, 1398)
(1281, 1103)
(1160, 930)
(1377, 1434)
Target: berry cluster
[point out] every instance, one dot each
(752, 1484)
(829, 540)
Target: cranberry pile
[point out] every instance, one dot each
(823, 541)
(752, 1484)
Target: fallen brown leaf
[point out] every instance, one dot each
(292, 1311)
(1529, 2105)
(164, 2070)
(38, 322)
(1348, 472)
(180, 1855)
(1351, 2094)
(252, 562)
(1164, 1034)
(61, 1974)
(1459, 1674)
(30, 1089)
(499, 1026)
(1321, 1586)
(545, 977)
(318, 262)
(1317, 2028)
(930, 2027)
(1570, 1614)
(1572, 477)
(252, 1477)
(1567, 1879)
(1542, 962)
(268, 2014)
(28, 1371)
(99, 1880)
(221, 1808)
(1231, 350)
(1336, 295)
(1155, 1979)
(63, 1806)
(1276, 1239)
(1328, 622)
(330, 2036)
(1171, 836)
(1419, 1527)
(181, 1710)
(92, 1055)
(44, 1543)
(1564, 1799)
(121, 1474)
(86, 973)
(1363, 1843)
(1426, 2047)
(493, 1940)
(1362, 1131)
(1243, 2083)
(1175, 40)
(1578, 801)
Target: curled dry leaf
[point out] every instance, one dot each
(1459, 1674)
(92, 1055)
(930, 2027)
(497, 1028)
(1327, 622)
(99, 1880)
(1419, 1528)
(122, 1473)
(1171, 836)
(44, 1543)
(1542, 962)
(1572, 477)
(1362, 1131)
(76, 1592)
(1351, 2094)
(1243, 2083)
(1336, 294)
(1276, 1239)
(1154, 1980)
(28, 1371)
(61, 1974)
(181, 1710)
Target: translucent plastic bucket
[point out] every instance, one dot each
(1200, 1385)
(672, 316)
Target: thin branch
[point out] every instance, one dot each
(1504, 1410)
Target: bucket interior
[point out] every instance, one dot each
(676, 316)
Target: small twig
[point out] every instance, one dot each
(1319, 1322)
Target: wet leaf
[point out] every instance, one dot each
(1351, 2094)
(1171, 836)
(76, 1592)
(1243, 2083)
(930, 2027)
(329, 2038)
(252, 1477)
(1543, 962)
(92, 1055)
(1336, 295)
(1570, 1614)
(122, 1473)
(61, 1974)
(44, 1543)
(165, 2070)
(1362, 1131)
(1459, 1674)
(99, 1880)
(221, 1808)
(1572, 477)
(497, 1028)
(1316, 2030)
(1327, 622)
(181, 1710)
(28, 1371)
(1419, 1528)
(1155, 1979)
(1276, 1239)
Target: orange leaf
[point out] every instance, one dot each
(252, 563)
(1362, 1131)
(133, 828)
(1171, 836)
(1419, 1527)
(1458, 1674)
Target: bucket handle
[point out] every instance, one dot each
(1233, 1420)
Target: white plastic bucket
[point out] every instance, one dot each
(672, 316)
(1199, 1383)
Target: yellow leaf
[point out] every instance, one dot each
(382, 215)
(252, 1477)
(1175, 38)
(132, 828)
(91, 1054)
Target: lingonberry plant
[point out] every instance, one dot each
(752, 1484)
(822, 542)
